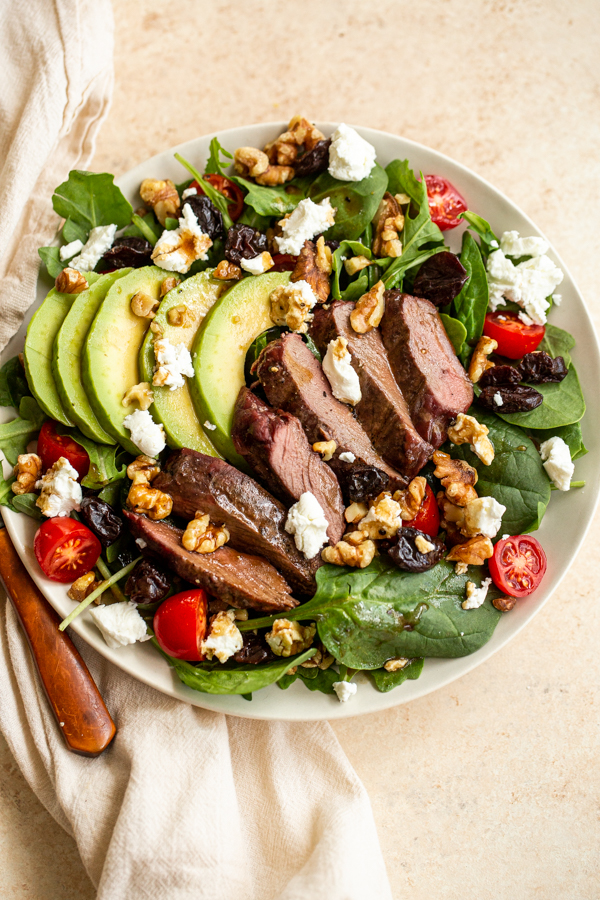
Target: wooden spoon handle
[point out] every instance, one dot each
(75, 700)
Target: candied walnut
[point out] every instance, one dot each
(156, 329)
(203, 537)
(411, 499)
(167, 284)
(284, 150)
(83, 587)
(467, 430)
(288, 638)
(321, 660)
(162, 196)
(345, 554)
(275, 175)
(142, 498)
(473, 552)
(70, 281)
(384, 518)
(460, 494)
(355, 512)
(250, 162)
(141, 394)
(178, 316)
(393, 665)
(289, 306)
(479, 361)
(369, 309)
(423, 545)
(143, 305)
(389, 222)
(452, 471)
(356, 264)
(307, 269)
(452, 515)
(227, 271)
(142, 470)
(326, 449)
(324, 256)
(27, 471)
(504, 603)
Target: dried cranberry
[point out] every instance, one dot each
(500, 375)
(440, 279)
(255, 650)
(515, 398)
(129, 252)
(147, 583)
(315, 160)
(406, 555)
(101, 518)
(540, 368)
(209, 217)
(359, 482)
(244, 242)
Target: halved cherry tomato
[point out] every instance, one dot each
(180, 624)
(518, 565)
(514, 337)
(229, 189)
(65, 549)
(52, 445)
(283, 262)
(427, 519)
(445, 203)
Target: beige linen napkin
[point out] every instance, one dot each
(185, 803)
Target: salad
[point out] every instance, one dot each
(271, 423)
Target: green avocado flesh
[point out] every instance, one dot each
(38, 350)
(68, 349)
(112, 346)
(219, 353)
(175, 408)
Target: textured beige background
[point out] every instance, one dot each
(490, 787)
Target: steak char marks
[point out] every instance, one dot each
(293, 380)
(274, 444)
(435, 385)
(240, 580)
(256, 521)
(382, 412)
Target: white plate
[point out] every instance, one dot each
(563, 528)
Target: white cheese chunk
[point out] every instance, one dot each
(337, 366)
(348, 456)
(178, 249)
(70, 250)
(498, 401)
(210, 426)
(351, 158)
(258, 265)
(423, 545)
(174, 364)
(60, 490)
(99, 241)
(557, 462)
(476, 595)
(529, 283)
(307, 220)
(484, 516)
(189, 192)
(344, 690)
(513, 245)
(224, 639)
(147, 436)
(306, 521)
(120, 624)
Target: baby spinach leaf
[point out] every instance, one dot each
(16, 434)
(355, 248)
(489, 241)
(470, 306)
(357, 288)
(88, 199)
(6, 493)
(558, 342)
(13, 383)
(386, 681)
(50, 256)
(402, 180)
(273, 201)
(311, 346)
(26, 504)
(516, 477)
(456, 331)
(356, 201)
(315, 679)
(214, 164)
(563, 404)
(250, 217)
(235, 680)
(571, 435)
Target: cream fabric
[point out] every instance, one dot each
(185, 803)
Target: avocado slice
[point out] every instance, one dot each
(219, 352)
(68, 349)
(111, 350)
(175, 408)
(38, 350)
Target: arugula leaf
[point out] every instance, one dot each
(214, 165)
(356, 201)
(386, 681)
(456, 331)
(402, 180)
(563, 404)
(145, 227)
(111, 494)
(470, 306)
(13, 383)
(358, 287)
(273, 201)
(483, 229)
(6, 494)
(337, 263)
(314, 678)
(104, 469)
(250, 217)
(16, 434)
(216, 679)
(26, 504)
(50, 256)
(219, 200)
(571, 435)
(88, 199)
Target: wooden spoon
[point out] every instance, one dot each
(78, 708)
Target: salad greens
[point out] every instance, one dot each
(470, 306)
(456, 331)
(16, 434)
(13, 383)
(356, 201)
(386, 681)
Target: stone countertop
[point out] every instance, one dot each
(488, 788)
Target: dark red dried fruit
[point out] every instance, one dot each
(540, 368)
(359, 482)
(515, 398)
(101, 518)
(128, 252)
(500, 375)
(440, 279)
(244, 242)
(255, 650)
(283, 262)
(147, 583)
(315, 160)
(407, 556)
(209, 217)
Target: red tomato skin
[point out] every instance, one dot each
(60, 539)
(427, 519)
(283, 262)
(445, 202)
(514, 337)
(229, 189)
(518, 565)
(51, 446)
(180, 624)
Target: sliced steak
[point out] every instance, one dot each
(238, 579)
(256, 521)
(434, 384)
(382, 412)
(274, 444)
(293, 380)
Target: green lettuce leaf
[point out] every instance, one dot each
(217, 679)
(105, 467)
(402, 180)
(356, 201)
(16, 434)
(563, 404)
(571, 435)
(456, 331)
(13, 383)
(50, 256)
(314, 679)
(488, 240)
(386, 681)
(470, 306)
(346, 250)
(273, 201)
(89, 199)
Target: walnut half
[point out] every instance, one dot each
(369, 309)
(70, 281)
(27, 471)
(467, 430)
(200, 536)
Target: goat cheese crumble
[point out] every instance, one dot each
(189, 192)
(476, 595)
(224, 638)
(174, 361)
(258, 264)
(99, 241)
(484, 516)
(60, 490)
(556, 457)
(351, 158)
(70, 250)
(347, 456)
(498, 401)
(147, 436)
(512, 244)
(176, 250)
(337, 366)
(120, 624)
(529, 283)
(307, 220)
(306, 521)
(344, 690)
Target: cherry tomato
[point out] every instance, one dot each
(229, 189)
(518, 565)
(65, 549)
(180, 624)
(283, 262)
(427, 519)
(514, 337)
(51, 446)
(445, 203)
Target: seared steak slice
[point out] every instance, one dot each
(382, 412)
(434, 384)
(293, 380)
(236, 578)
(256, 521)
(274, 444)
